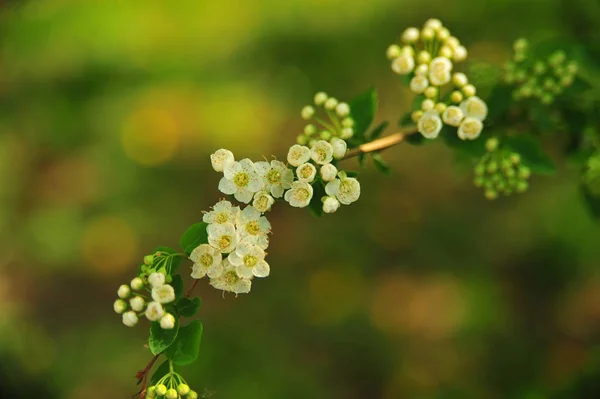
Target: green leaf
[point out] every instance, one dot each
(406, 120)
(195, 235)
(484, 76)
(532, 154)
(592, 202)
(417, 102)
(376, 133)
(472, 148)
(416, 139)
(362, 158)
(362, 110)
(173, 262)
(186, 347)
(351, 173)
(161, 339)
(541, 116)
(187, 307)
(177, 284)
(316, 206)
(498, 102)
(160, 372)
(381, 165)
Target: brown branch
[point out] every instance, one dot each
(382, 143)
(189, 292)
(142, 376)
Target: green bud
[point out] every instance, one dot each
(572, 67)
(522, 186)
(312, 142)
(591, 176)
(557, 58)
(301, 139)
(520, 44)
(309, 130)
(515, 158)
(491, 144)
(501, 186)
(168, 278)
(510, 173)
(509, 77)
(496, 178)
(479, 170)
(161, 390)
(151, 392)
(524, 172)
(145, 269)
(183, 389)
(519, 57)
(492, 167)
(479, 181)
(505, 164)
(539, 68)
(149, 259)
(325, 135)
(526, 91)
(171, 394)
(192, 395)
(547, 99)
(512, 181)
(566, 81)
(491, 194)
(549, 83)
(520, 76)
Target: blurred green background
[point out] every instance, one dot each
(422, 289)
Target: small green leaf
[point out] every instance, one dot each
(362, 158)
(177, 284)
(532, 154)
(416, 139)
(417, 102)
(195, 235)
(407, 78)
(406, 120)
(187, 307)
(161, 339)
(381, 165)
(160, 372)
(351, 173)
(173, 262)
(186, 347)
(376, 133)
(316, 206)
(362, 110)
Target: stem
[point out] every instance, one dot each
(381, 144)
(189, 292)
(142, 376)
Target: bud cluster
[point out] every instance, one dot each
(171, 386)
(427, 58)
(500, 171)
(541, 79)
(336, 123)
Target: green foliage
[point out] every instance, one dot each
(472, 148)
(186, 346)
(160, 339)
(591, 201)
(362, 110)
(170, 263)
(380, 164)
(160, 372)
(316, 206)
(187, 307)
(195, 235)
(532, 154)
(177, 284)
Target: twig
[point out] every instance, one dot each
(189, 292)
(142, 376)
(381, 144)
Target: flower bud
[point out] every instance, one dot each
(151, 392)
(393, 51)
(330, 204)
(515, 158)
(460, 54)
(192, 395)
(440, 108)
(469, 90)
(137, 284)
(302, 139)
(124, 291)
(410, 35)
(427, 34)
(137, 303)
(331, 103)
(422, 70)
(456, 97)
(522, 186)
(348, 122)
(171, 394)
(342, 110)
(307, 112)
(524, 173)
(156, 279)
(446, 52)
(347, 132)
(161, 390)
(433, 23)
(148, 259)
(491, 194)
(427, 105)
(167, 322)
(339, 147)
(183, 389)
(459, 79)
(479, 170)
(120, 306)
(404, 64)
(325, 135)
(424, 57)
(416, 116)
(418, 84)
(130, 319)
(491, 144)
(443, 34)
(328, 172)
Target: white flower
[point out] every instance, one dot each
(231, 281)
(253, 226)
(393, 51)
(223, 212)
(453, 115)
(124, 291)
(404, 64)
(154, 311)
(120, 306)
(330, 204)
(430, 125)
(418, 84)
(345, 189)
(320, 98)
(422, 70)
(263, 201)
(222, 237)
(307, 112)
(221, 158)
(240, 179)
(410, 35)
(331, 103)
(339, 147)
(167, 322)
(306, 172)
(130, 319)
(328, 172)
(428, 104)
(277, 176)
(299, 195)
(439, 71)
(137, 303)
(249, 260)
(459, 79)
(207, 260)
(460, 54)
(137, 284)
(298, 154)
(469, 90)
(475, 107)
(342, 109)
(163, 294)
(433, 23)
(321, 152)
(470, 129)
(156, 279)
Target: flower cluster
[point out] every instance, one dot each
(338, 122)
(133, 303)
(427, 58)
(541, 79)
(171, 386)
(500, 171)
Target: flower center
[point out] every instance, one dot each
(252, 228)
(345, 187)
(262, 203)
(321, 153)
(206, 260)
(250, 261)
(301, 194)
(429, 125)
(224, 242)
(470, 128)
(231, 277)
(273, 176)
(241, 179)
(221, 218)
(305, 172)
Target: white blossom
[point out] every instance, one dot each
(252, 225)
(430, 125)
(330, 204)
(263, 201)
(223, 212)
(137, 303)
(339, 147)
(137, 284)
(474, 107)
(120, 306)
(439, 71)
(321, 152)
(277, 176)
(222, 236)
(249, 260)
(154, 311)
(298, 154)
(453, 115)
(230, 281)
(241, 179)
(418, 84)
(299, 195)
(306, 172)
(124, 291)
(130, 319)
(207, 260)
(345, 189)
(404, 64)
(307, 112)
(410, 35)
(167, 322)
(342, 109)
(470, 129)
(163, 294)
(156, 279)
(320, 98)
(328, 172)
(221, 158)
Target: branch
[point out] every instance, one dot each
(142, 375)
(382, 143)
